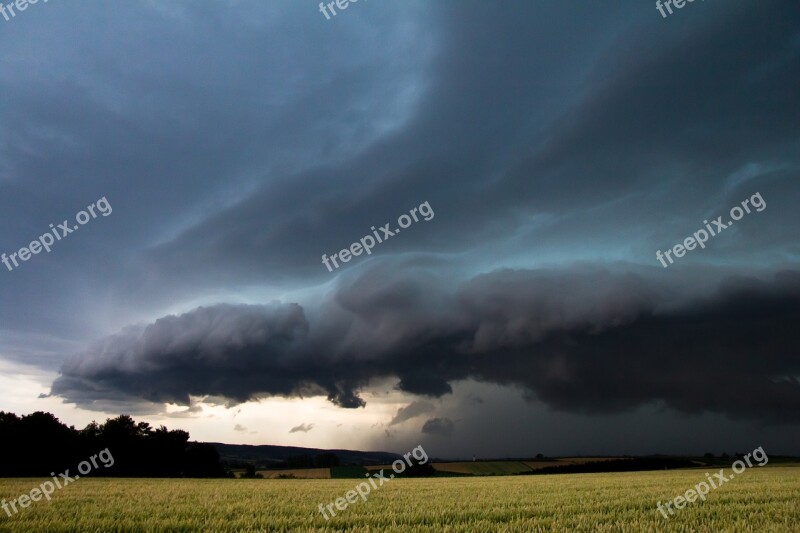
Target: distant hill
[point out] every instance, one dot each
(267, 455)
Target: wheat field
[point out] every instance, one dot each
(761, 499)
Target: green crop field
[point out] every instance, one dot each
(485, 468)
(760, 499)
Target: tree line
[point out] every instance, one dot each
(39, 443)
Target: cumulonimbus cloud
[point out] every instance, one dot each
(578, 340)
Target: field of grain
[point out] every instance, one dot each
(484, 468)
(473, 468)
(761, 499)
(299, 473)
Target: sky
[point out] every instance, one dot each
(546, 155)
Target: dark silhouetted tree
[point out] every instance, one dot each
(37, 444)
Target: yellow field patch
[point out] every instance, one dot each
(761, 499)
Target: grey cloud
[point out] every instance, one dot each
(583, 340)
(222, 119)
(474, 399)
(438, 426)
(628, 151)
(412, 410)
(304, 428)
(211, 351)
(544, 135)
(233, 174)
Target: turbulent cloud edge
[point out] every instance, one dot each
(577, 340)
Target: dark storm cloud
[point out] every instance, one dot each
(228, 351)
(438, 426)
(578, 340)
(675, 111)
(238, 95)
(701, 100)
(271, 136)
(239, 141)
